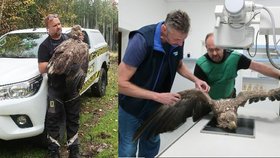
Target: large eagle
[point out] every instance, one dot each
(193, 103)
(71, 59)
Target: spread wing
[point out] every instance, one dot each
(225, 110)
(255, 96)
(272, 94)
(168, 118)
(197, 104)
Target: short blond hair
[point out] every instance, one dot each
(48, 18)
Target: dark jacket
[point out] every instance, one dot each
(155, 73)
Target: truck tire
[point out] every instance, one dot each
(99, 89)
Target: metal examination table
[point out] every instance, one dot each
(265, 142)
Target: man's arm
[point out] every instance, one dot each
(43, 58)
(182, 70)
(42, 67)
(199, 73)
(265, 69)
(125, 72)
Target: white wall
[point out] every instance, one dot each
(202, 17)
(267, 3)
(133, 14)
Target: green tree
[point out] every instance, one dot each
(97, 14)
(16, 14)
(64, 8)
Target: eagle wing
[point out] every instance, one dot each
(195, 103)
(69, 55)
(168, 118)
(70, 58)
(61, 58)
(225, 110)
(76, 72)
(258, 95)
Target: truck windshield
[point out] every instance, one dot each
(21, 45)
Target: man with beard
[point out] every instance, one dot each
(58, 102)
(219, 67)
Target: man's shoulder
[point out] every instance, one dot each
(145, 30)
(65, 36)
(45, 42)
(232, 52)
(148, 27)
(201, 59)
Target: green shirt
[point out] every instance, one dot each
(221, 76)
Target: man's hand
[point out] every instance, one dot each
(167, 98)
(202, 85)
(42, 67)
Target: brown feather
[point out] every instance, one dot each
(193, 103)
(71, 59)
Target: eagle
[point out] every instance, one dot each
(71, 58)
(194, 103)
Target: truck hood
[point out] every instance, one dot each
(14, 70)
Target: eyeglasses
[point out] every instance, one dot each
(211, 50)
(52, 16)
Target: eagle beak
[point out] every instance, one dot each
(232, 125)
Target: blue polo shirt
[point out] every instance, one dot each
(137, 47)
(156, 64)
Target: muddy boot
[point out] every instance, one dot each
(74, 151)
(73, 147)
(53, 148)
(53, 151)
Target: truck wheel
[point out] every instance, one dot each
(99, 89)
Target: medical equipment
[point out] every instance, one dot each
(237, 20)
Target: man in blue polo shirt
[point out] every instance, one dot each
(146, 74)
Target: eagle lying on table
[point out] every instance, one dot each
(71, 59)
(193, 103)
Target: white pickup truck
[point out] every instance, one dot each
(23, 90)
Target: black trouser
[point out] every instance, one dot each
(56, 109)
(62, 101)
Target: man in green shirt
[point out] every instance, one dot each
(219, 67)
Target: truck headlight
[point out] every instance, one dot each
(21, 89)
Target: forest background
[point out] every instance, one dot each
(95, 14)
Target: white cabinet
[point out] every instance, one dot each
(181, 83)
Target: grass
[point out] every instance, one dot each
(99, 119)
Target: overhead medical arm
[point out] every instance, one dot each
(234, 20)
